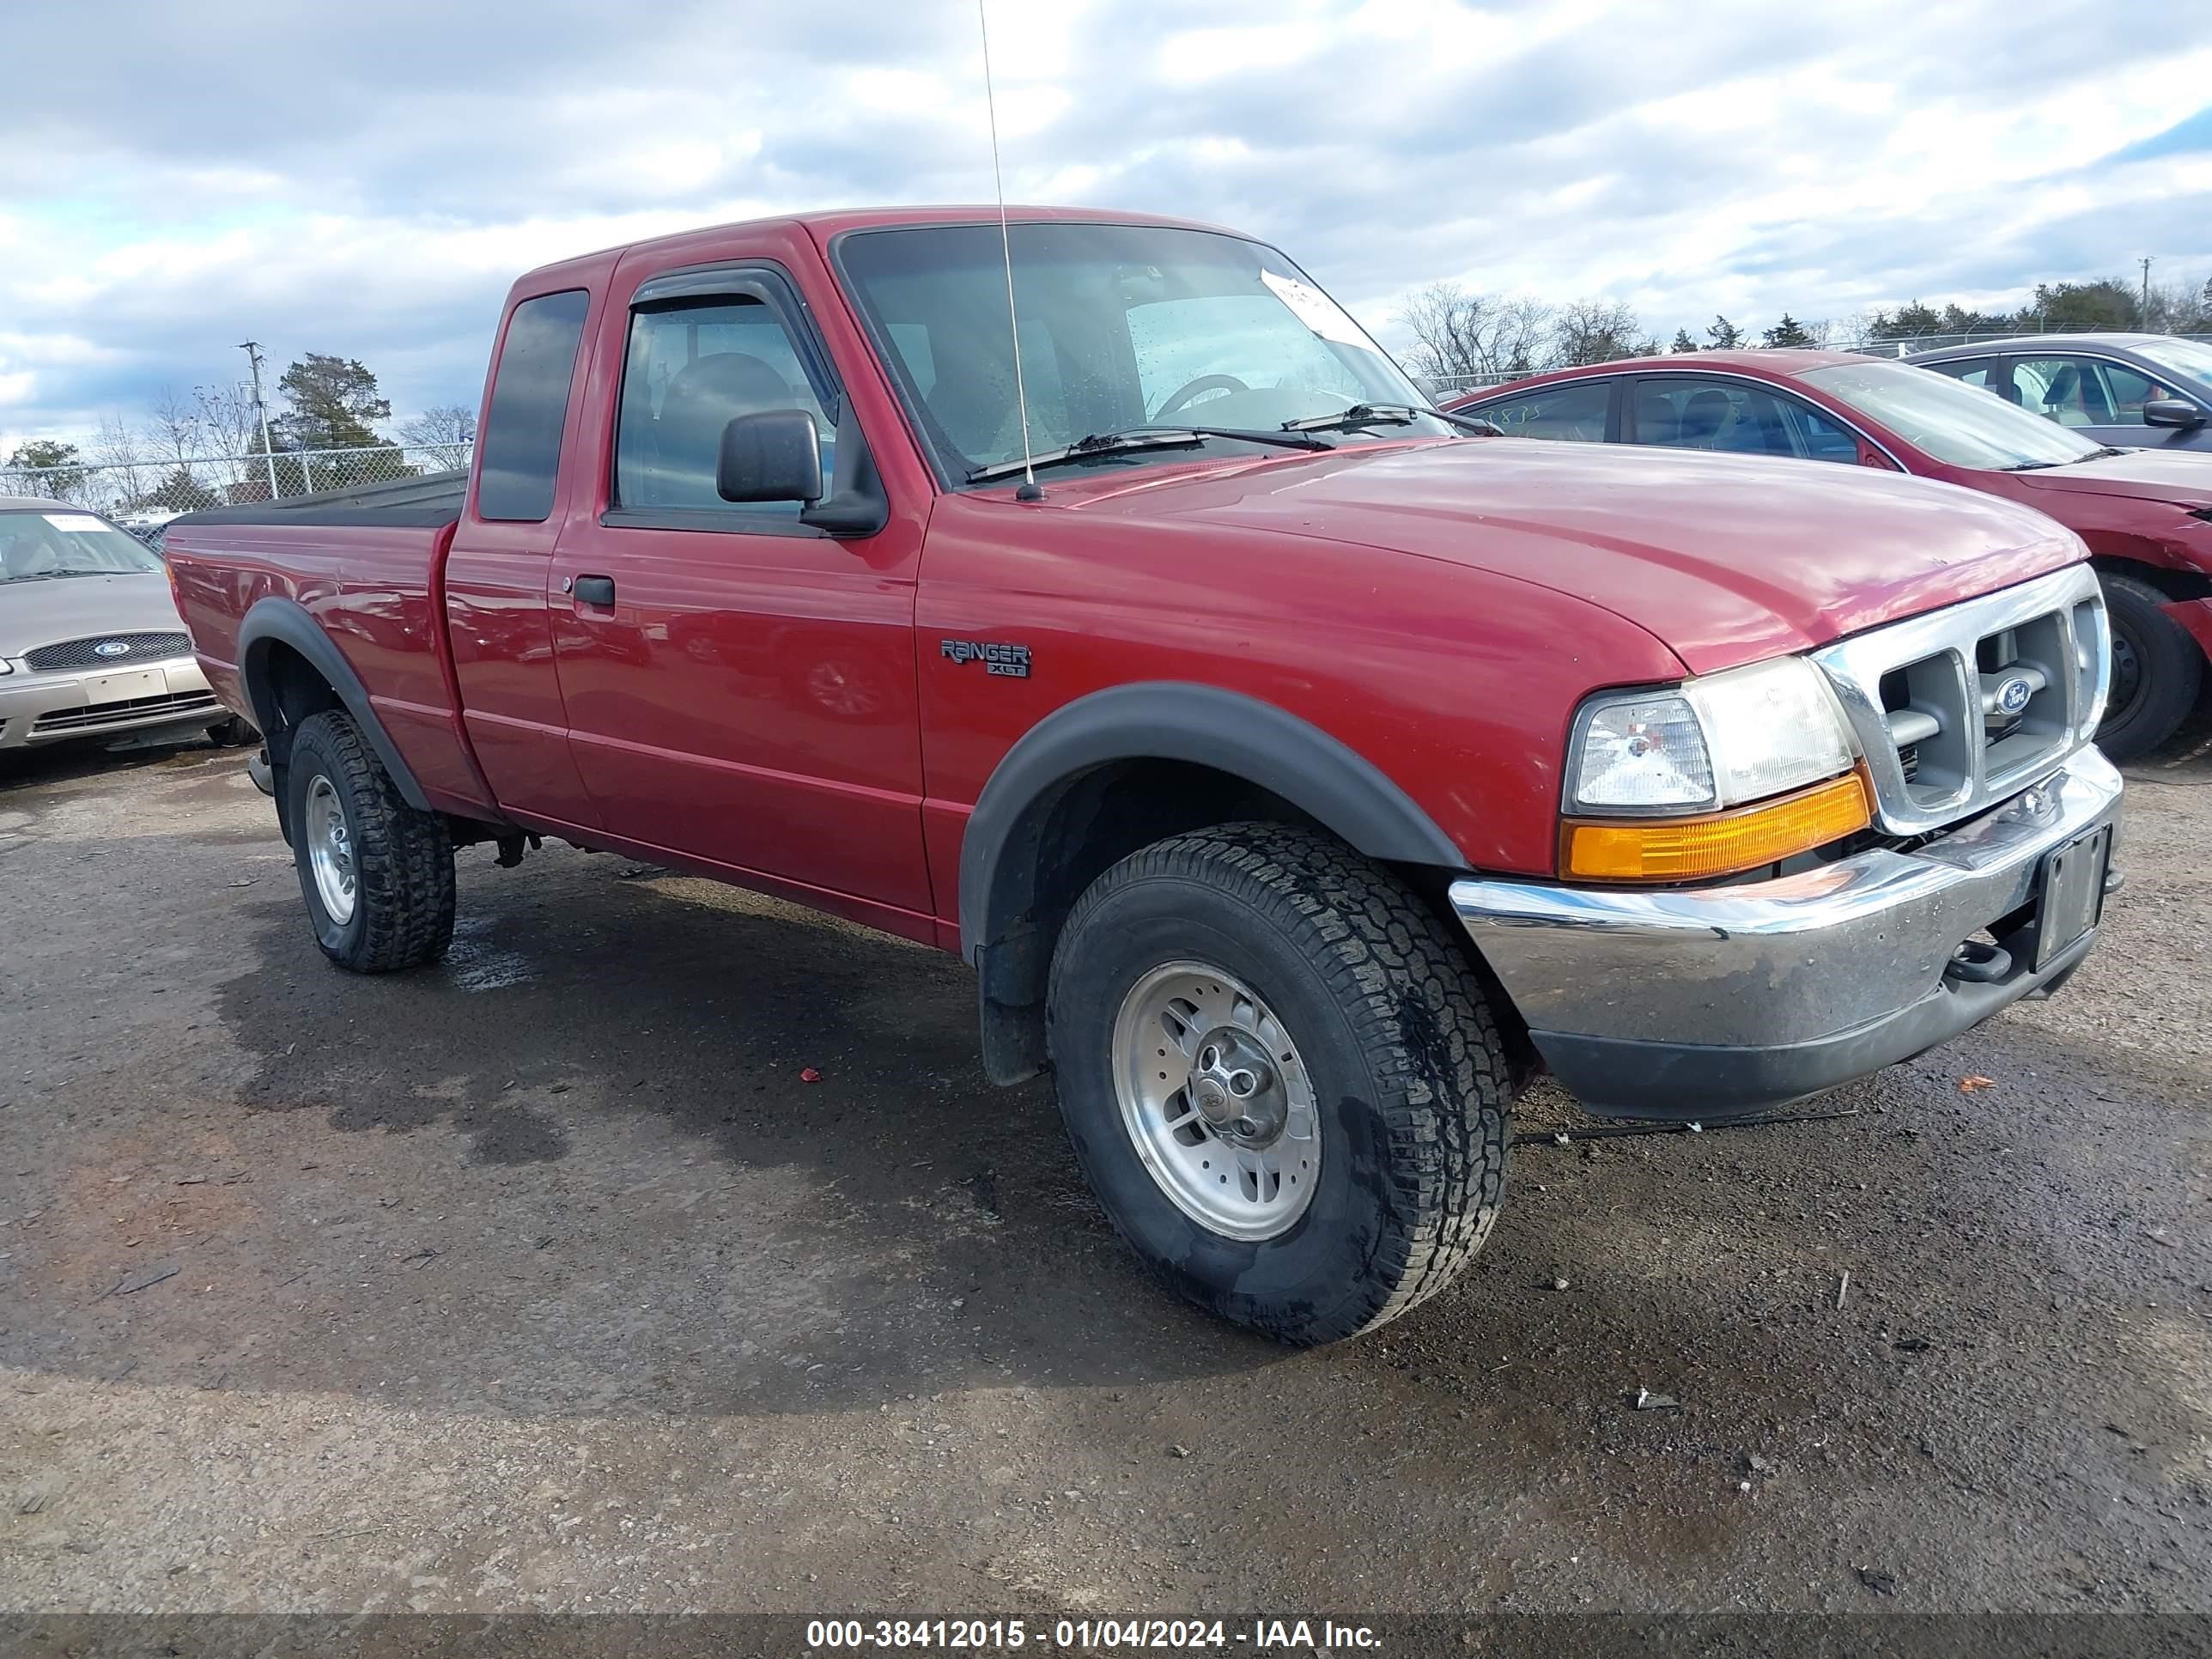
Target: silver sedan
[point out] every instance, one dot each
(90, 643)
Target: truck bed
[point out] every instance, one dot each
(366, 564)
(433, 493)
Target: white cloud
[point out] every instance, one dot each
(368, 183)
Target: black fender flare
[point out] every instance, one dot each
(274, 621)
(1228, 732)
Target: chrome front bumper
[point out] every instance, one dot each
(57, 706)
(1701, 1002)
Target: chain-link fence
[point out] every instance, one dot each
(150, 491)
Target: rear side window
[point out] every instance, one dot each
(1575, 412)
(520, 452)
(1974, 371)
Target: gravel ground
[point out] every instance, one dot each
(542, 1281)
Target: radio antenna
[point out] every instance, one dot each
(1029, 490)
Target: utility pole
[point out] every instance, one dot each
(2142, 319)
(253, 350)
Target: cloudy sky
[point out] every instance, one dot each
(367, 179)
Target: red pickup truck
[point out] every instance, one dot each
(1299, 770)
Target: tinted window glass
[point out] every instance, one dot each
(1738, 419)
(1972, 371)
(520, 452)
(1575, 412)
(2128, 390)
(1723, 415)
(691, 370)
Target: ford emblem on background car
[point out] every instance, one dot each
(2012, 695)
(111, 648)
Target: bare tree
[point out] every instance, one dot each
(1595, 331)
(1462, 336)
(443, 433)
(118, 452)
(225, 425)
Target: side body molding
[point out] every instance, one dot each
(275, 621)
(1007, 926)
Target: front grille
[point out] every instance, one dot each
(86, 653)
(99, 714)
(1960, 708)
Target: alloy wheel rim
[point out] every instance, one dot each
(329, 851)
(1215, 1101)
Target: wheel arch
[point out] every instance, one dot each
(1118, 769)
(291, 669)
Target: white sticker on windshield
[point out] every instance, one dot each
(1315, 309)
(75, 523)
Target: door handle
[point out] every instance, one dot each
(595, 590)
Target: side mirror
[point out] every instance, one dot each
(2172, 411)
(774, 455)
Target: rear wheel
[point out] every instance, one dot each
(377, 873)
(232, 733)
(2157, 669)
(1278, 1079)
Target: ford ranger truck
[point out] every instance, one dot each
(1300, 769)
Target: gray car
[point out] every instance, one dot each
(2131, 390)
(90, 643)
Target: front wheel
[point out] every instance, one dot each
(2157, 669)
(1278, 1079)
(377, 873)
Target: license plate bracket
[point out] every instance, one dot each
(2070, 893)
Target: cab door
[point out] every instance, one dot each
(497, 571)
(740, 687)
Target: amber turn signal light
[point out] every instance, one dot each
(1716, 843)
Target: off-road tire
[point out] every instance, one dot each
(1410, 1079)
(403, 912)
(2169, 659)
(232, 733)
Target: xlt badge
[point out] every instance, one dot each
(1012, 660)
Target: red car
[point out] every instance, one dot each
(2146, 515)
(1298, 770)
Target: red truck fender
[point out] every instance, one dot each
(1017, 877)
(273, 622)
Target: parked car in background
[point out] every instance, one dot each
(90, 643)
(2140, 391)
(1294, 770)
(2145, 515)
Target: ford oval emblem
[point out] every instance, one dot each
(2012, 694)
(111, 648)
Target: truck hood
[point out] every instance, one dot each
(2183, 478)
(1725, 559)
(50, 610)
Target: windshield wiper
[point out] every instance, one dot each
(1136, 437)
(2104, 454)
(1366, 415)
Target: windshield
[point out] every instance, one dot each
(2190, 357)
(1961, 425)
(1121, 327)
(35, 545)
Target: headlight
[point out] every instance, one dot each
(1658, 780)
(1713, 743)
